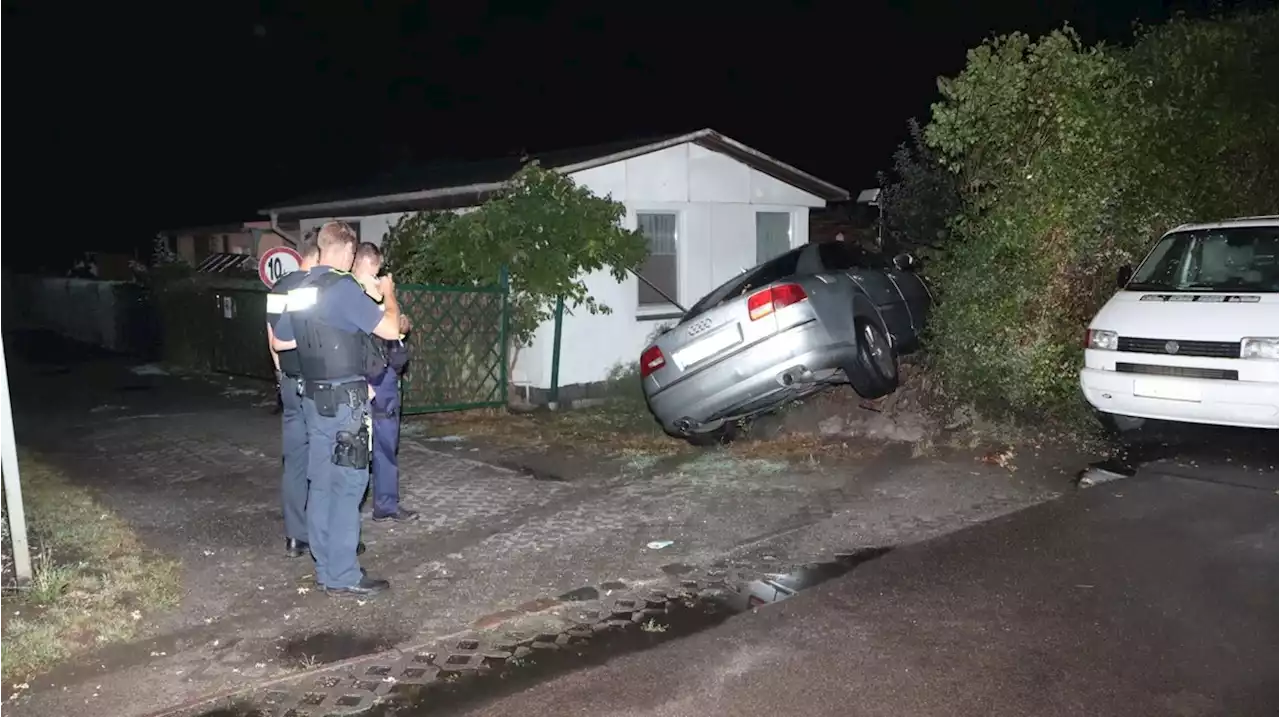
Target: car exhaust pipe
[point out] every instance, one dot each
(684, 425)
(792, 376)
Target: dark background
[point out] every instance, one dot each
(127, 118)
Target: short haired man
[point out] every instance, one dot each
(293, 429)
(329, 320)
(386, 400)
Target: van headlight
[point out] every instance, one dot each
(1101, 340)
(1254, 347)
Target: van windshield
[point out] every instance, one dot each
(1225, 259)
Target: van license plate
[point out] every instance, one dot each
(1168, 390)
(708, 347)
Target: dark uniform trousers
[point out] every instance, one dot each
(293, 484)
(386, 442)
(333, 502)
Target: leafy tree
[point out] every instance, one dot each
(919, 198)
(548, 232)
(1070, 160)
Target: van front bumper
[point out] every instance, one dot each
(1247, 404)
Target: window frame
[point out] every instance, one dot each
(791, 232)
(661, 306)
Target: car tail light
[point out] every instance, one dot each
(651, 360)
(766, 302)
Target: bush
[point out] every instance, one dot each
(1070, 160)
(919, 198)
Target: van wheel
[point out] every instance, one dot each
(1118, 425)
(874, 370)
(720, 436)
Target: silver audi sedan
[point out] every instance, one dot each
(816, 316)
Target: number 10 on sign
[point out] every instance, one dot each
(277, 262)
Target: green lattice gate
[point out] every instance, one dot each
(458, 347)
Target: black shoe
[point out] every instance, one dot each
(367, 587)
(402, 515)
(363, 574)
(360, 548)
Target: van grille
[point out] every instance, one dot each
(1209, 349)
(1178, 371)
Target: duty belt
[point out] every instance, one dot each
(309, 388)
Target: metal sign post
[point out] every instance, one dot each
(12, 485)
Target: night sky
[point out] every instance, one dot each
(125, 118)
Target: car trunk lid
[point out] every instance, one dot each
(701, 341)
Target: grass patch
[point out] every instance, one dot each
(619, 427)
(614, 428)
(93, 580)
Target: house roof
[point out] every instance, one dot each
(226, 228)
(459, 184)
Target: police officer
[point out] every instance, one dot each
(386, 400)
(293, 486)
(331, 321)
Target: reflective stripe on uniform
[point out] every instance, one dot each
(303, 298)
(277, 303)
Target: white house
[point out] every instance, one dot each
(710, 206)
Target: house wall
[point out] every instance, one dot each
(715, 197)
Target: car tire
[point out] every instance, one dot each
(874, 370)
(715, 437)
(1118, 425)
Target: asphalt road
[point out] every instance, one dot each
(1149, 595)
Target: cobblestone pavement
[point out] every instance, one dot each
(193, 463)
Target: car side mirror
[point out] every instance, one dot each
(905, 262)
(1123, 275)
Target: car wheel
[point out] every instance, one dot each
(715, 437)
(874, 372)
(1118, 425)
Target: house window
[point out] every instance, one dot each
(660, 267)
(773, 235)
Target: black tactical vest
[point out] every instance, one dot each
(327, 353)
(289, 363)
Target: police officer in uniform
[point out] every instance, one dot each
(293, 486)
(331, 322)
(386, 400)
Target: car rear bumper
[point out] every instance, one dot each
(1248, 404)
(752, 380)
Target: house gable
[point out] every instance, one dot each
(690, 172)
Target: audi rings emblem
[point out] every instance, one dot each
(699, 326)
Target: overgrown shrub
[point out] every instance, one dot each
(1070, 160)
(919, 198)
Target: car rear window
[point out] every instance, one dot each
(775, 269)
(843, 256)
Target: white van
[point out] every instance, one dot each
(1192, 334)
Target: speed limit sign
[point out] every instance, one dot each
(277, 262)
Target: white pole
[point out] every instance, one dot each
(12, 486)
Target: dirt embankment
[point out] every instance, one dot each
(911, 414)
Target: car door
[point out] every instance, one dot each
(869, 273)
(915, 293)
